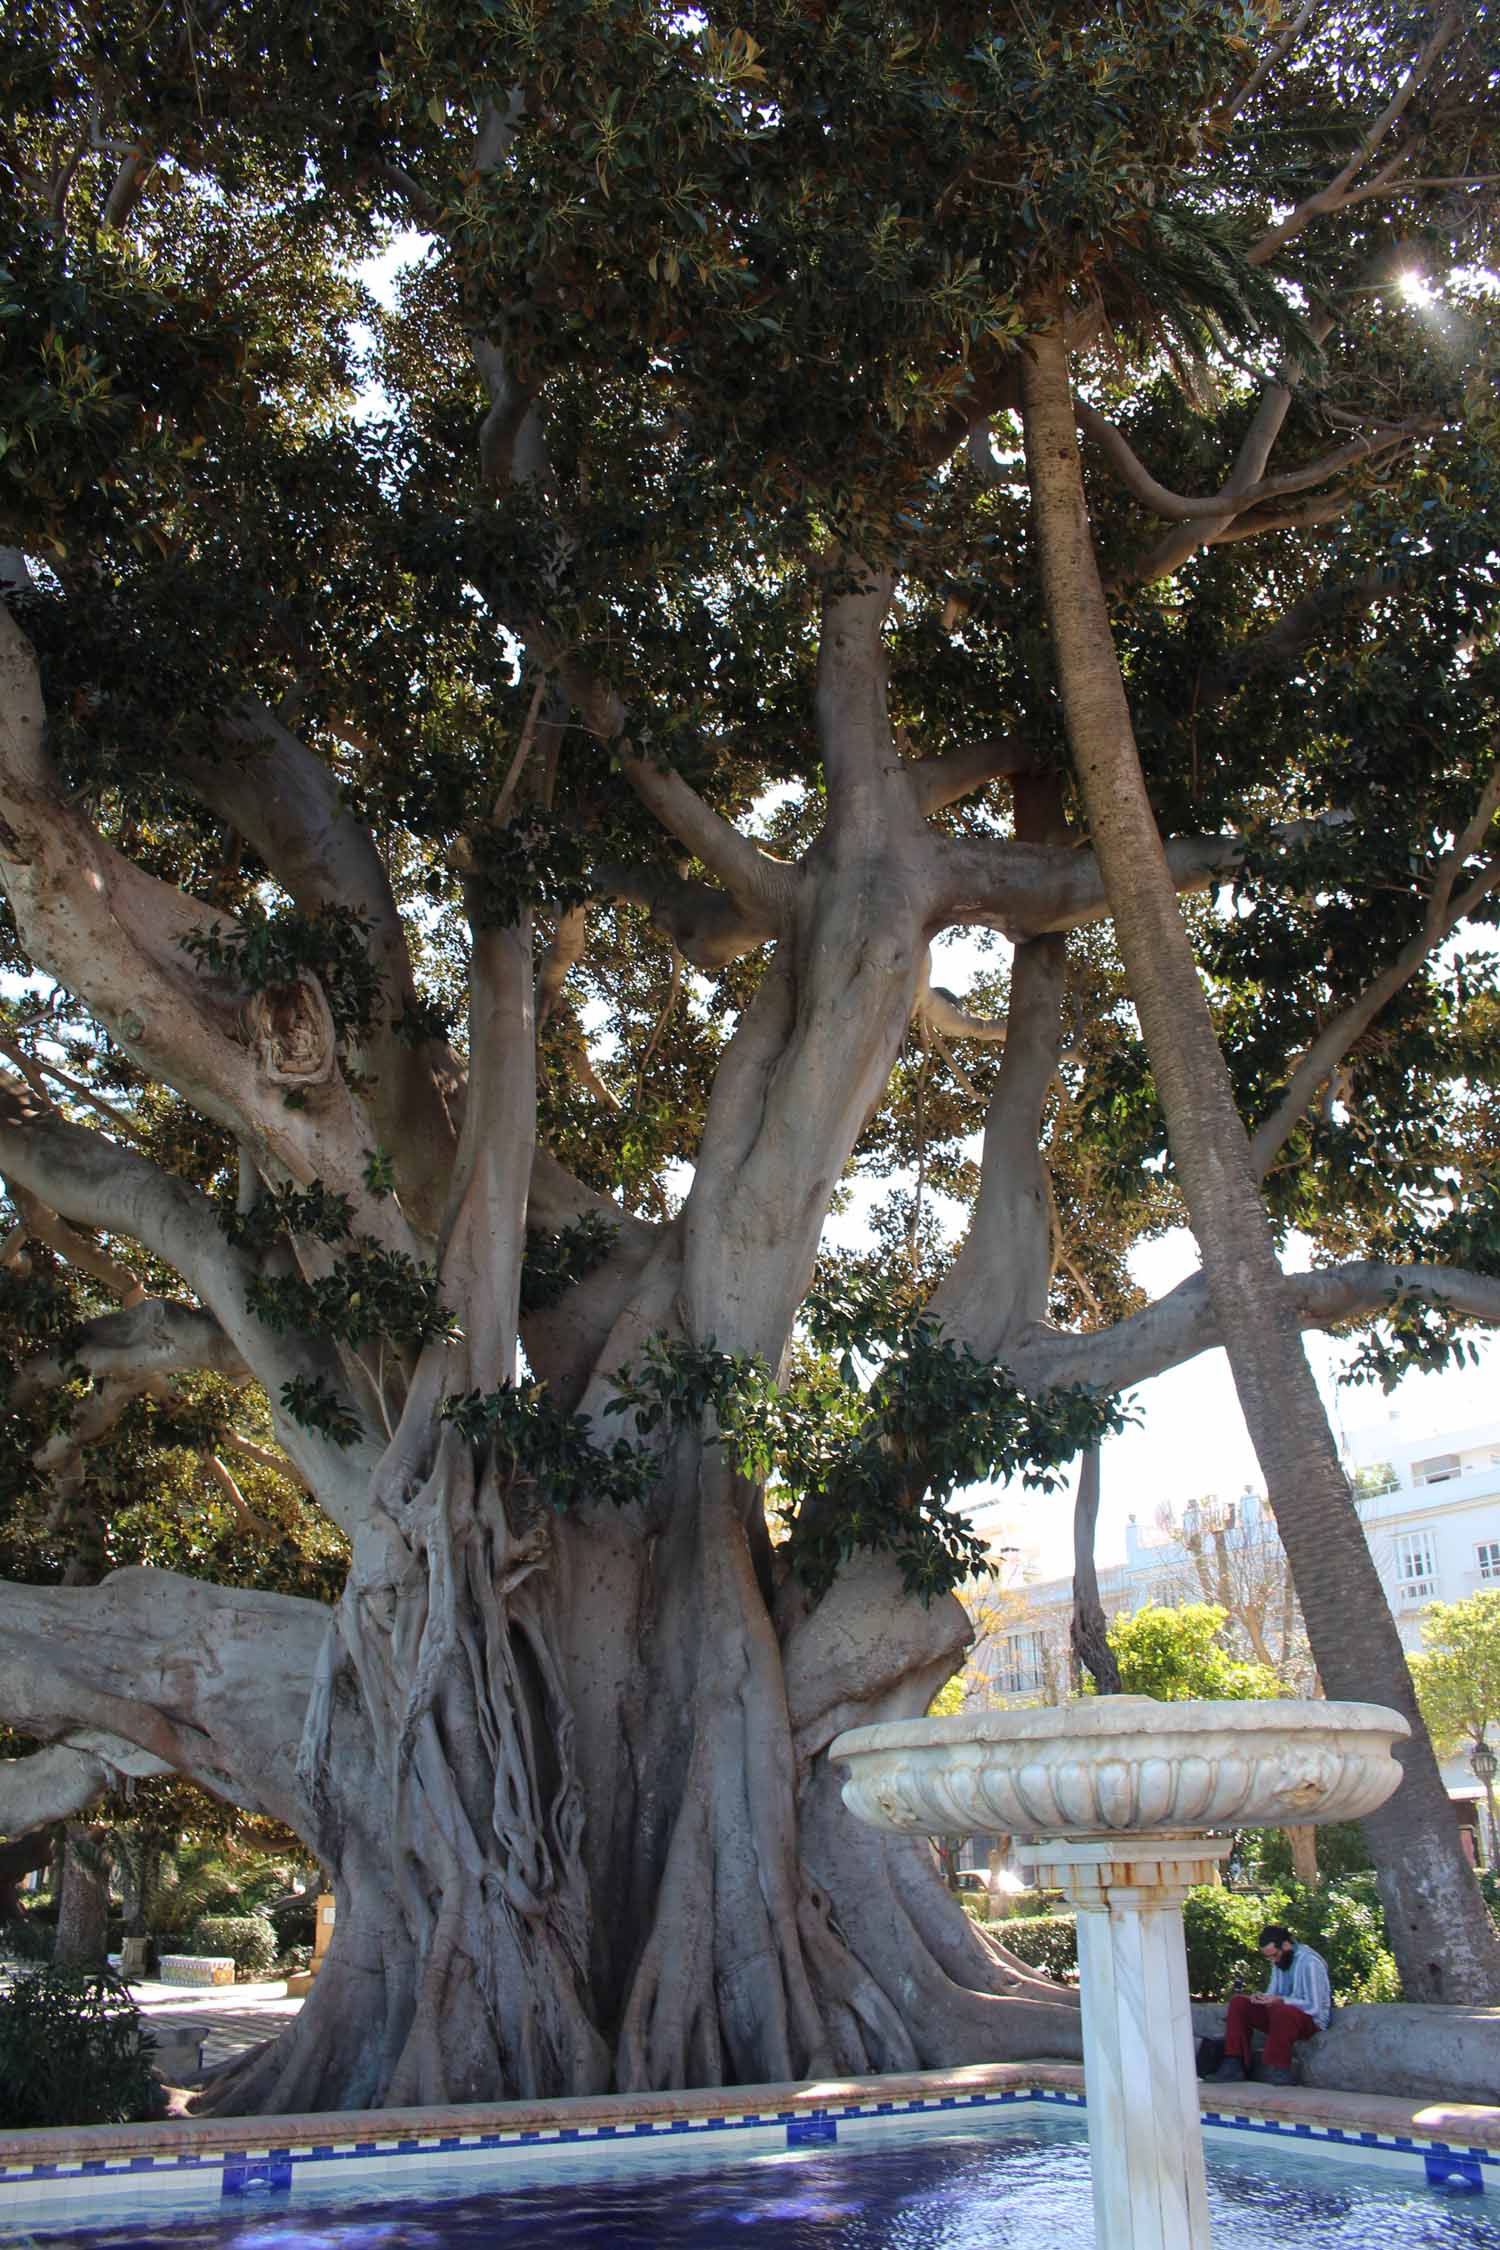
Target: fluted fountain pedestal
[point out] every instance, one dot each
(1115, 1803)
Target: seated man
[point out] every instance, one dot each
(1298, 2001)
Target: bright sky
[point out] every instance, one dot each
(1192, 1438)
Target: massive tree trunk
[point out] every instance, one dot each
(1441, 1935)
(569, 1774)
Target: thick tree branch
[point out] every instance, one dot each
(285, 802)
(210, 1682)
(77, 1249)
(705, 925)
(96, 1183)
(1231, 500)
(153, 1337)
(1029, 890)
(115, 936)
(1447, 907)
(761, 887)
(1181, 1325)
(64, 1780)
(953, 774)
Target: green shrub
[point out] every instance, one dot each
(1221, 1928)
(74, 2050)
(26, 1939)
(1048, 1942)
(247, 1939)
(1489, 1891)
(1344, 1922)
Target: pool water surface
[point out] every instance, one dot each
(1011, 2186)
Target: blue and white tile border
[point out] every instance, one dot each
(78, 2188)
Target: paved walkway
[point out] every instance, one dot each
(197, 2026)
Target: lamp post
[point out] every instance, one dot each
(1486, 1764)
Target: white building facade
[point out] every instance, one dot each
(1431, 1514)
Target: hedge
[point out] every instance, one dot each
(248, 1940)
(1342, 1921)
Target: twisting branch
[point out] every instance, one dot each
(75, 1248)
(1182, 1324)
(1447, 907)
(704, 924)
(759, 885)
(152, 1337)
(1274, 60)
(209, 1681)
(96, 1183)
(60, 1782)
(942, 780)
(1232, 501)
(116, 936)
(1026, 890)
(1332, 197)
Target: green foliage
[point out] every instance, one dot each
(370, 1292)
(534, 861)
(290, 1210)
(312, 1401)
(1342, 1921)
(1176, 1655)
(268, 952)
(534, 1441)
(74, 2050)
(249, 1940)
(1457, 1670)
(1048, 1942)
(1264, 1856)
(556, 1261)
(1222, 1931)
(842, 1450)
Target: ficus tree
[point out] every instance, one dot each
(550, 561)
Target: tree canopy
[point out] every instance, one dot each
(523, 623)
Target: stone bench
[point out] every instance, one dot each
(196, 1968)
(1448, 2054)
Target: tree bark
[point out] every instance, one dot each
(1089, 1631)
(83, 1900)
(1440, 1933)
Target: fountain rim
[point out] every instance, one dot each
(1123, 1720)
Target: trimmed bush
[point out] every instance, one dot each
(74, 2050)
(1048, 1942)
(1221, 1928)
(1344, 1922)
(246, 1939)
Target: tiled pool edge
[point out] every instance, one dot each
(1450, 2144)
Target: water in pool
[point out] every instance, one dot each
(1020, 2187)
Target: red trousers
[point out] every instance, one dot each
(1282, 2024)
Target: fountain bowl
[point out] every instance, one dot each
(1123, 1764)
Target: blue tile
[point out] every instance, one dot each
(811, 2132)
(1459, 2175)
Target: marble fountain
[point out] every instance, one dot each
(1123, 1804)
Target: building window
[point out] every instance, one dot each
(1489, 1559)
(1416, 1570)
(1440, 1469)
(1021, 1663)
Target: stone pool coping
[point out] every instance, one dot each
(1392, 2120)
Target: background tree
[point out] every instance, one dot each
(1457, 1676)
(1178, 1653)
(480, 775)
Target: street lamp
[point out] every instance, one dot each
(1486, 1765)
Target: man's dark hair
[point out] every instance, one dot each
(1275, 1933)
